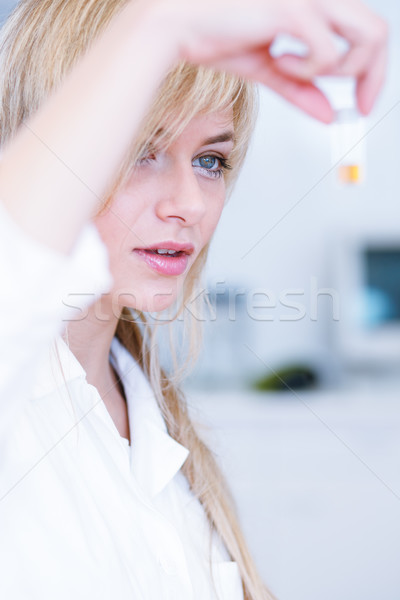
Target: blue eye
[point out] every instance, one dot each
(212, 166)
(208, 162)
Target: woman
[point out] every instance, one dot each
(107, 116)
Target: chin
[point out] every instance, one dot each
(155, 302)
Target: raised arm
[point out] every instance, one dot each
(59, 165)
(69, 151)
(61, 162)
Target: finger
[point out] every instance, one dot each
(362, 57)
(366, 59)
(370, 83)
(259, 66)
(355, 62)
(357, 23)
(323, 54)
(304, 68)
(304, 95)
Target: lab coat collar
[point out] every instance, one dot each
(156, 456)
(50, 376)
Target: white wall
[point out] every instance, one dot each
(288, 204)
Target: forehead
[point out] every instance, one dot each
(211, 127)
(220, 118)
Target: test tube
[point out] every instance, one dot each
(348, 146)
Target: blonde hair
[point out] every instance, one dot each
(39, 44)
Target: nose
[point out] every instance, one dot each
(181, 197)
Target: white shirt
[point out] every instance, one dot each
(83, 515)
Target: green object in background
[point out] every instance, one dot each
(296, 377)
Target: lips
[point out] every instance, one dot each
(166, 258)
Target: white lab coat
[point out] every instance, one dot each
(83, 515)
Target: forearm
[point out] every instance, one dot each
(60, 164)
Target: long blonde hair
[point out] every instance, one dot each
(39, 44)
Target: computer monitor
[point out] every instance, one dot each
(368, 283)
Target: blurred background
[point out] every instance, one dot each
(304, 278)
(298, 386)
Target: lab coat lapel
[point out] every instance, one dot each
(156, 456)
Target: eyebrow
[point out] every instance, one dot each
(226, 136)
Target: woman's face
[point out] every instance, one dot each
(158, 223)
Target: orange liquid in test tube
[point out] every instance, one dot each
(348, 147)
(350, 174)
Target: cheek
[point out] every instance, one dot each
(212, 218)
(114, 225)
(109, 230)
